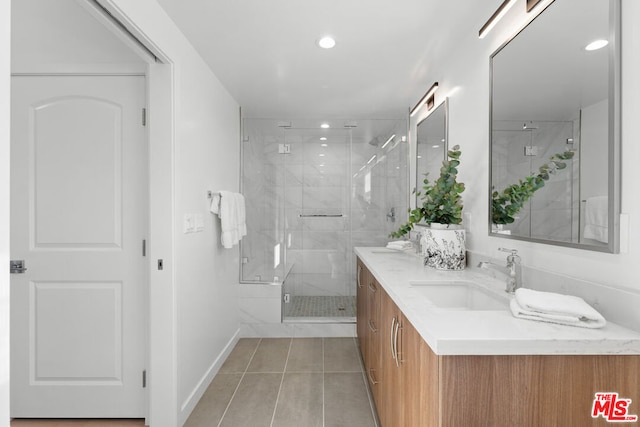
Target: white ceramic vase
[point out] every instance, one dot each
(443, 247)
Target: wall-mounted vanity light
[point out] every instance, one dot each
(497, 16)
(428, 98)
(531, 4)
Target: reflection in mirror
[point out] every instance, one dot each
(554, 129)
(431, 146)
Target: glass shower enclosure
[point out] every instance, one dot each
(312, 194)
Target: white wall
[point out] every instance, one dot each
(5, 26)
(200, 275)
(464, 76)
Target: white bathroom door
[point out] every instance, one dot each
(78, 219)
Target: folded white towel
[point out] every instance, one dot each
(399, 245)
(555, 308)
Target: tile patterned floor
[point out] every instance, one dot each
(275, 382)
(284, 382)
(322, 306)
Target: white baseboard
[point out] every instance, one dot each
(194, 397)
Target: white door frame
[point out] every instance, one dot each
(162, 384)
(162, 362)
(5, 79)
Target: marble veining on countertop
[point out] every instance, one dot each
(490, 332)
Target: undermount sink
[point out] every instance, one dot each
(386, 251)
(461, 296)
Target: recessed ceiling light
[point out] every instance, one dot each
(321, 154)
(324, 145)
(595, 45)
(326, 42)
(324, 138)
(435, 146)
(325, 126)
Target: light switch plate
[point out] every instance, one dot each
(199, 223)
(188, 224)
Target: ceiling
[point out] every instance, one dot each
(265, 52)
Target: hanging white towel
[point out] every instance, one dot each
(555, 308)
(229, 207)
(596, 218)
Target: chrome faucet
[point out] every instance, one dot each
(392, 215)
(513, 269)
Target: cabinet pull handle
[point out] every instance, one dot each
(358, 276)
(373, 328)
(395, 341)
(391, 343)
(371, 377)
(372, 287)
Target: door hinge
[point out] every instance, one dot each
(144, 379)
(144, 117)
(144, 247)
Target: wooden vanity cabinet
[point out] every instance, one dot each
(368, 321)
(409, 372)
(361, 305)
(423, 389)
(400, 366)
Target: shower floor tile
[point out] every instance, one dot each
(322, 306)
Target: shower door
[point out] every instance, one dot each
(317, 224)
(519, 151)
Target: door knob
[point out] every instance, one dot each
(16, 266)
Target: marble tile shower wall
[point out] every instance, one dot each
(318, 246)
(551, 212)
(283, 190)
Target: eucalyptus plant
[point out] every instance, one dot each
(507, 203)
(441, 202)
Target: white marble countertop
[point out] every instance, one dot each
(497, 332)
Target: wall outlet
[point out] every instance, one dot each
(287, 298)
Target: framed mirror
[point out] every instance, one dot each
(555, 128)
(431, 144)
